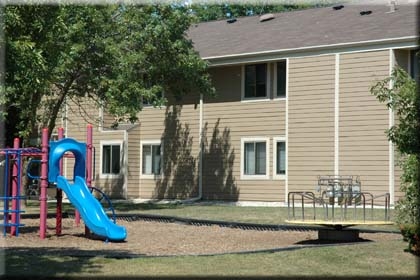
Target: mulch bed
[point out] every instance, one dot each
(148, 238)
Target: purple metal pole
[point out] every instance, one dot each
(15, 176)
(59, 192)
(44, 184)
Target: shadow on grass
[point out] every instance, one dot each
(49, 262)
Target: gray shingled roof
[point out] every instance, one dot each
(304, 28)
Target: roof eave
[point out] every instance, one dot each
(232, 59)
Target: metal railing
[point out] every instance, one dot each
(337, 194)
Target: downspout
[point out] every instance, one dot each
(200, 158)
(391, 157)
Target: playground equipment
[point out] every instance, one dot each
(12, 167)
(79, 193)
(343, 204)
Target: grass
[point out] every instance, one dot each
(366, 259)
(382, 259)
(230, 213)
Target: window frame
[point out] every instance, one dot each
(265, 176)
(275, 153)
(267, 83)
(154, 143)
(103, 143)
(275, 85)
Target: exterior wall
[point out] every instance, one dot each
(364, 148)
(311, 121)
(177, 127)
(88, 113)
(322, 139)
(402, 59)
(226, 121)
(133, 163)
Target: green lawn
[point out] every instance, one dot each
(363, 259)
(367, 259)
(245, 214)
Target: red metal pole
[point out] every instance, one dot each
(89, 162)
(89, 155)
(15, 176)
(59, 192)
(44, 184)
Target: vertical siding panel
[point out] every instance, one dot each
(311, 121)
(133, 162)
(363, 120)
(177, 126)
(226, 121)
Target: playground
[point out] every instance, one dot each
(87, 231)
(151, 238)
(170, 247)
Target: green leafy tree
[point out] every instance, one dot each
(116, 55)
(400, 93)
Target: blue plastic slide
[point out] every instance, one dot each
(90, 209)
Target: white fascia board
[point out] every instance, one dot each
(267, 56)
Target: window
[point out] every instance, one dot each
(255, 81)
(255, 158)
(279, 157)
(281, 69)
(151, 158)
(414, 64)
(111, 158)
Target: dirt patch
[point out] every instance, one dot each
(159, 239)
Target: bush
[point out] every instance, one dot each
(407, 208)
(402, 95)
(411, 234)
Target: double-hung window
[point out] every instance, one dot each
(255, 158)
(151, 158)
(279, 159)
(111, 158)
(255, 84)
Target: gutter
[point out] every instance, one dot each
(231, 59)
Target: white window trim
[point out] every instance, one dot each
(268, 85)
(267, 158)
(275, 81)
(114, 143)
(275, 175)
(151, 142)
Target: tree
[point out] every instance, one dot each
(117, 55)
(401, 94)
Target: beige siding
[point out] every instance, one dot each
(178, 129)
(227, 120)
(363, 120)
(363, 147)
(311, 121)
(402, 60)
(133, 162)
(78, 116)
